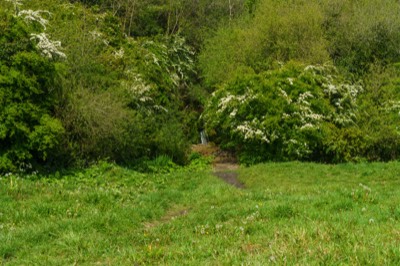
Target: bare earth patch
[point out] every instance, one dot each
(224, 164)
(230, 178)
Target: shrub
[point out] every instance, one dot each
(380, 113)
(28, 130)
(283, 114)
(97, 125)
(122, 98)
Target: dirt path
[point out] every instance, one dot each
(230, 177)
(224, 165)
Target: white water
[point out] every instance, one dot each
(203, 137)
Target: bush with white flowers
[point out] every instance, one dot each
(281, 114)
(29, 131)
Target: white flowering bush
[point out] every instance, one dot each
(156, 82)
(48, 48)
(36, 21)
(30, 134)
(282, 114)
(34, 16)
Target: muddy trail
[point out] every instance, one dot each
(224, 164)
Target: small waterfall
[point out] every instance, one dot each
(203, 137)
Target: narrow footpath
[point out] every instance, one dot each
(224, 163)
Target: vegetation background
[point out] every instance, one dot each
(127, 81)
(90, 89)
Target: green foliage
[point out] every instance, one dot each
(352, 35)
(200, 18)
(379, 113)
(278, 31)
(290, 31)
(345, 144)
(97, 126)
(161, 164)
(311, 113)
(283, 211)
(193, 19)
(131, 86)
(121, 98)
(358, 38)
(164, 64)
(284, 114)
(28, 131)
(361, 33)
(44, 137)
(225, 56)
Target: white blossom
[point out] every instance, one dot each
(285, 96)
(96, 34)
(251, 133)
(307, 126)
(140, 92)
(366, 188)
(47, 47)
(223, 103)
(314, 68)
(304, 96)
(161, 108)
(35, 16)
(233, 113)
(136, 85)
(313, 116)
(119, 54)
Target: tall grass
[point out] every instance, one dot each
(291, 213)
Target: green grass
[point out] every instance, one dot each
(290, 213)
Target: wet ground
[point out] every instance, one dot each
(229, 177)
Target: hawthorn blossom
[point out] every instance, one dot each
(250, 132)
(47, 47)
(223, 103)
(119, 54)
(285, 96)
(34, 16)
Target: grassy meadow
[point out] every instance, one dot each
(289, 213)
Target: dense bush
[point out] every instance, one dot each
(127, 83)
(29, 133)
(248, 112)
(136, 109)
(295, 113)
(157, 83)
(114, 97)
(380, 113)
